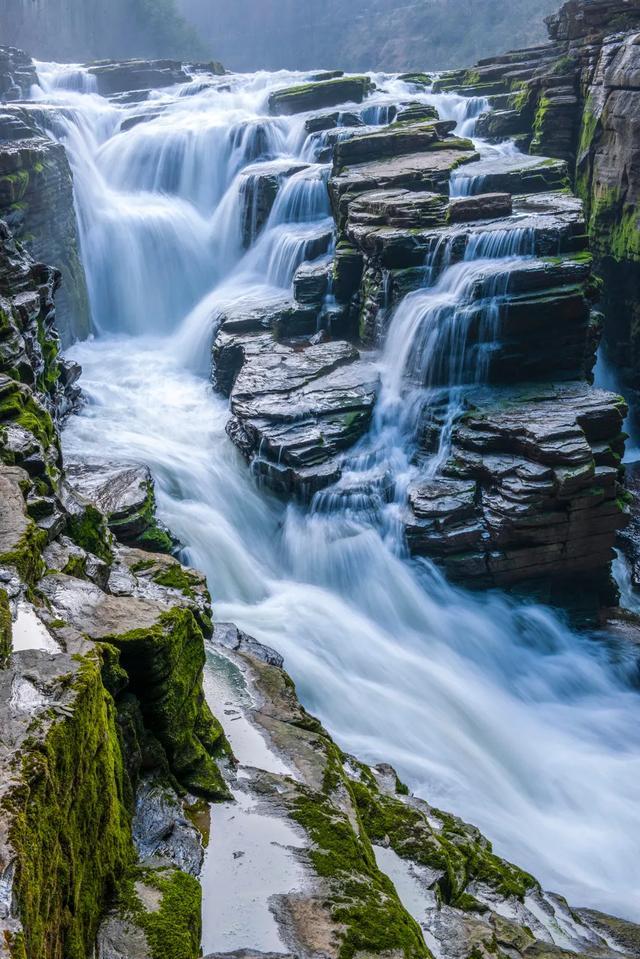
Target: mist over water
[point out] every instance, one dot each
(487, 706)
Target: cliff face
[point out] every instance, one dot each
(578, 99)
(36, 200)
(101, 661)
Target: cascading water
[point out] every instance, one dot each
(491, 708)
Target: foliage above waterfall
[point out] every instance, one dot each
(75, 30)
(363, 34)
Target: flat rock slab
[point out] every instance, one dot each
(415, 171)
(114, 77)
(319, 95)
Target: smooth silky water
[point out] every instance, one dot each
(487, 706)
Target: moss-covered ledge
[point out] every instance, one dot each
(160, 643)
(65, 836)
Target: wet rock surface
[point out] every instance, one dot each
(536, 491)
(360, 830)
(319, 94)
(36, 200)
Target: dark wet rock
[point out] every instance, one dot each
(420, 171)
(295, 410)
(547, 504)
(416, 112)
(259, 189)
(399, 208)
(127, 75)
(629, 538)
(36, 199)
(319, 95)
(395, 140)
(485, 206)
(125, 495)
(311, 282)
(161, 831)
(541, 176)
(228, 635)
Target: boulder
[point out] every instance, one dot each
(485, 206)
(319, 95)
(544, 501)
(125, 495)
(124, 76)
(391, 141)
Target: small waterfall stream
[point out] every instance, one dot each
(489, 707)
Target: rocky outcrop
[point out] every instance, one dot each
(578, 99)
(17, 74)
(319, 95)
(383, 871)
(36, 200)
(106, 735)
(124, 76)
(532, 488)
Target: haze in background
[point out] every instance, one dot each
(393, 35)
(79, 30)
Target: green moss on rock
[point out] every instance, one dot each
(5, 629)
(70, 829)
(26, 556)
(166, 905)
(363, 900)
(456, 849)
(89, 530)
(164, 664)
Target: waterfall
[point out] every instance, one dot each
(486, 705)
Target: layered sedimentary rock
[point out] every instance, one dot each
(36, 200)
(530, 489)
(578, 99)
(104, 723)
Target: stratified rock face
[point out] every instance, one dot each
(36, 200)
(532, 488)
(578, 100)
(319, 95)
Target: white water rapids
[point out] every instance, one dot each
(489, 708)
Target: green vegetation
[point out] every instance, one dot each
(26, 555)
(173, 926)
(89, 530)
(70, 828)
(176, 576)
(120, 29)
(5, 629)
(363, 899)
(164, 664)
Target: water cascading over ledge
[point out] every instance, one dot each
(333, 590)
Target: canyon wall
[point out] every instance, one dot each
(578, 99)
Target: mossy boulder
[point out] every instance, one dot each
(319, 95)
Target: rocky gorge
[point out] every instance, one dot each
(344, 335)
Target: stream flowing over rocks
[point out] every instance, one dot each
(344, 335)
